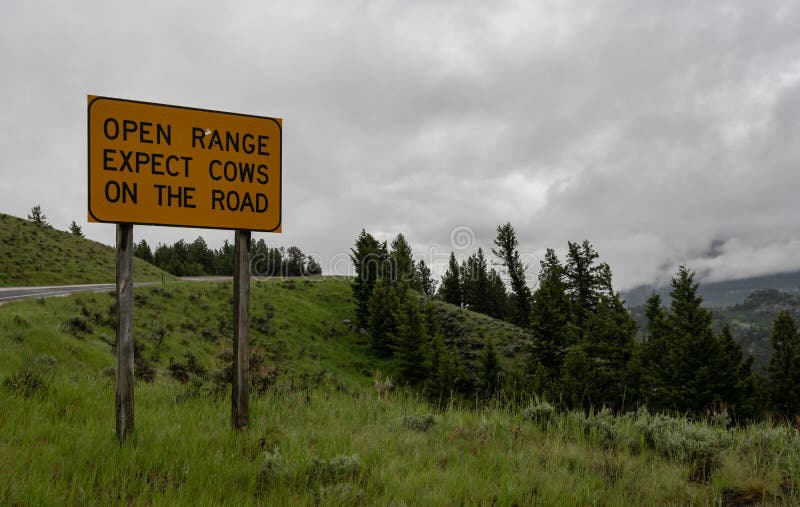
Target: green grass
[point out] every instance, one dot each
(320, 435)
(31, 255)
(296, 325)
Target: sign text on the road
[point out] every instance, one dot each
(169, 165)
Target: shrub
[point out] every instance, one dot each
(210, 335)
(263, 379)
(337, 469)
(600, 426)
(33, 377)
(20, 321)
(719, 417)
(343, 493)
(705, 461)
(194, 366)
(541, 413)
(272, 468)
(143, 370)
(77, 326)
(696, 444)
(184, 371)
(193, 389)
(110, 318)
(178, 371)
(261, 324)
(770, 444)
(418, 422)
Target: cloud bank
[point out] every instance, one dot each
(665, 133)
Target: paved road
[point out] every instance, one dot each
(15, 293)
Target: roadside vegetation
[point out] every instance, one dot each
(324, 430)
(580, 348)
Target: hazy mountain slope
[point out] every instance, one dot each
(750, 321)
(726, 293)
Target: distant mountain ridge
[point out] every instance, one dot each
(750, 320)
(722, 294)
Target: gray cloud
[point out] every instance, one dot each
(654, 130)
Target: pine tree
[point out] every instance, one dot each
(382, 318)
(599, 332)
(497, 297)
(401, 264)
(476, 283)
(491, 370)
(368, 258)
(444, 371)
(736, 382)
(584, 281)
(266, 260)
(506, 243)
(431, 317)
(142, 251)
(550, 318)
(313, 267)
(576, 377)
(541, 382)
(692, 381)
(610, 347)
(450, 289)
(784, 366)
(38, 217)
(75, 229)
(295, 261)
(409, 339)
(198, 257)
(656, 318)
(426, 283)
(224, 259)
(655, 365)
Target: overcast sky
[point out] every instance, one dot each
(664, 132)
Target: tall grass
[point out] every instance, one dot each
(338, 447)
(328, 439)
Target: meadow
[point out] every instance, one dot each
(319, 434)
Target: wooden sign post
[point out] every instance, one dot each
(158, 164)
(124, 406)
(240, 395)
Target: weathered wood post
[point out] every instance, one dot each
(124, 331)
(240, 401)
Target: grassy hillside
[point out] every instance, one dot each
(468, 331)
(31, 255)
(297, 326)
(319, 435)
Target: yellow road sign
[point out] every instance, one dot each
(157, 164)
